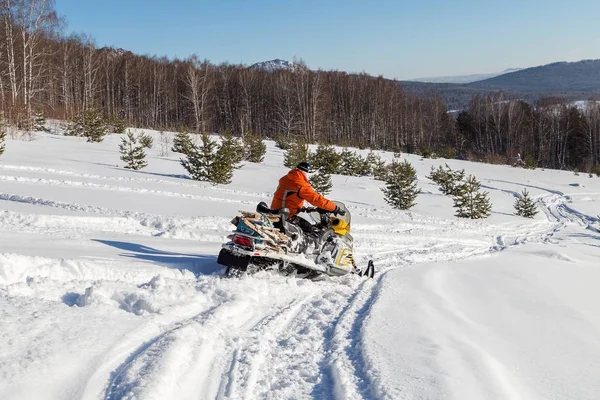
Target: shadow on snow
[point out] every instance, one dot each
(199, 264)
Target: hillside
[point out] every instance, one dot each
(461, 79)
(571, 80)
(109, 287)
(581, 76)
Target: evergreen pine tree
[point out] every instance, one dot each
(321, 182)
(350, 163)
(227, 159)
(379, 169)
(94, 126)
(297, 153)
(146, 141)
(525, 206)
(75, 127)
(118, 124)
(182, 142)
(39, 122)
(469, 202)
(283, 142)
(255, 148)
(132, 151)
(363, 167)
(199, 159)
(325, 159)
(401, 185)
(446, 178)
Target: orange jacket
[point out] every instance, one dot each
(293, 189)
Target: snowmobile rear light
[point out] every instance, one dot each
(243, 241)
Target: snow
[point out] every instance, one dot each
(109, 287)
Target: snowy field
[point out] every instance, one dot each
(109, 288)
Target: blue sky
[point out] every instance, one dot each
(397, 39)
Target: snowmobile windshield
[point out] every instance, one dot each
(346, 218)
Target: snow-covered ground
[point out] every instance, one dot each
(109, 288)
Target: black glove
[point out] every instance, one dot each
(339, 211)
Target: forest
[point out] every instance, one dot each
(44, 70)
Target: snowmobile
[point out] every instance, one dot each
(313, 243)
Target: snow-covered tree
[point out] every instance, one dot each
(146, 140)
(132, 151)
(525, 206)
(401, 185)
(469, 202)
(321, 182)
(39, 122)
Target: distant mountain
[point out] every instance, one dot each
(571, 80)
(274, 65)
(580, 76)
(464, 78)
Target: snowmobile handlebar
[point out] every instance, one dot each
(313, 209)
(321, 211)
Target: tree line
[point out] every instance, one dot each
(44, 70)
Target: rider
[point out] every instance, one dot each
(294, 188)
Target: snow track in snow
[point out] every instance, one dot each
(184, 333)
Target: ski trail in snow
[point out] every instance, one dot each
(188, 184)
(126, 189)
(191, 355)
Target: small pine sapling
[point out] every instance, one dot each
(321, 182)
(325, 159)
(283, 142)
(297, 153)
(146, 141)
(401, 185)
(254, 148)
(350, 163)
(94, 126)
(525, 206)
(118, 124)
(446, 178)
(379, 169)
(199, 159)
(39, 122)
(469, 202)
(227, 158)
(132, 152)
(182, 143)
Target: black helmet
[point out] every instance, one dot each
(304, 166)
